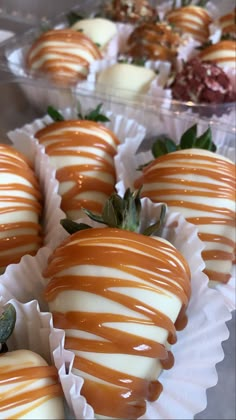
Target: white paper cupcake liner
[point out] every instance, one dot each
(194, 368)
(127, 161)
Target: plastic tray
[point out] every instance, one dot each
(12, 54)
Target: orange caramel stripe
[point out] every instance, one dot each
(191, 10)
(213, 237)
(217, 277)
(219, 46)
(28, 189)
(27, 397)
(23, 374)
(20, 225)
(17, 241)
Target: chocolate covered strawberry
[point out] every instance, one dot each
(29, 388)
(63, 55)
(119, 295)
(82, 152)
(222, 53)
(201, 185)
(191, 19)
(20, 207)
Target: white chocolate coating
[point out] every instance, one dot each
(125, 80)
(99, 30)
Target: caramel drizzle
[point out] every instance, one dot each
(183, 18)
(228, 52)
(155, 264)
(14, 163)
(182, 165)
(68, 139)
(228, 22)
(11, 399)
(152, 40)
(63, 56)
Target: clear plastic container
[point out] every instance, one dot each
(13, 52)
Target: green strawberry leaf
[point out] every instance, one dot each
(96, 217)
(159, 148)
(122, 213)
(213, 147)
(162, 146)
(54, 114)
(204, 141)
(71, 227)
(202, 3)
(73, 17)
(188, 138)
(95, 115)
(155, 227)
(109, 216)
(7, 322)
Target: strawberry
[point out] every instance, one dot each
(82, 152)
(192, 20)
(227, 24)
(119, 295)
(62, 54)
(20, 209)
(201, 185)
(222, 53)
(29, 388)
